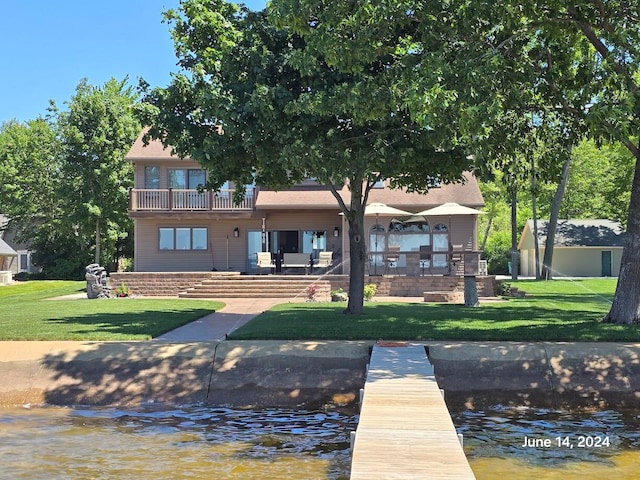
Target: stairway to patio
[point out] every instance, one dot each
(236, 285)
(260, 286)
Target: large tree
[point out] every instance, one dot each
(97, 130)
(256, 101)
(580, 58)
(29, 174)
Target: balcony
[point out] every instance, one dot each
(173, 199)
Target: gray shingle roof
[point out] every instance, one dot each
(583, 233)
(6, 250)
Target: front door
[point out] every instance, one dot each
(606, 263)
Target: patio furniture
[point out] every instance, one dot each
(296, 260)
(425, 257)
(324, 260)
(455, 258)
(265, 261)
(391, 258)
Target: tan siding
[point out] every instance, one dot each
(576, 261)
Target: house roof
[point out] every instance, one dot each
(306, 197)
(6, 250)
(313, 196)
(154, 149)
(582, 233)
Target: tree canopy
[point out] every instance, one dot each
(578, 62)
(64, 181)
(256, 101)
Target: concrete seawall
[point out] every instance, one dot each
(542, 374)
(279, 373)
(225, 373)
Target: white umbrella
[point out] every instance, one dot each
(383, 209)
(450, 208)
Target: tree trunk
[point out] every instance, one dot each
(514, 234)
(547, 271)
(471, 292)
(625, 308)
(486, 233)
(97, 256)
(357, 258)
(357, 255)
(535, 220)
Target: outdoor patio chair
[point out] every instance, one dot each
(425, 257)
(391, 258)
(324, 260)
(265, 261)
(455, 258)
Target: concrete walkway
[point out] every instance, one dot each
(216, 326)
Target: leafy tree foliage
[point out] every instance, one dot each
(97, 131)
(258, 101)
(578, 60)
(64, 181)
(29, 174)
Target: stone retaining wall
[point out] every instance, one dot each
(173, 283)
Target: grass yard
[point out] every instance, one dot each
(557, 310)
(27, 312)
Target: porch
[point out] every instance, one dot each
(177, 199)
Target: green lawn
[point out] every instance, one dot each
(27, 312)
(558, 310)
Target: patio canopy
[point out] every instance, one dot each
(450, 208)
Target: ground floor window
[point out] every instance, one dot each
(314, 242)
(182, 238)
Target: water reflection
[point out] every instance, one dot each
(190, 442)
(568, 444)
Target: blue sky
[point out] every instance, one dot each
(47, 47)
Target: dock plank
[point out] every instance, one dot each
(405, 430)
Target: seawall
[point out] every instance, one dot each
(281, 373)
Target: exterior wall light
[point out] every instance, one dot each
(336, 232)
(236, 232)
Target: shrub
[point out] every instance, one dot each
(339, 295)
(122, 290)
(504, 289)
(311, 292)
(497, 252)
(370, 291)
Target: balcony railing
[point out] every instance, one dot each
(174, 199)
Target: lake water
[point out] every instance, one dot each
(159, 441)
(178, 443)
(567, 445)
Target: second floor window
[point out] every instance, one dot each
(186, 178)
(152, 177)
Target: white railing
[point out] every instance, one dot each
(169, 199)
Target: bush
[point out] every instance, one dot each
(122, 290)
(370, 291)
(339, 295)
(497, 253)
(504, 289)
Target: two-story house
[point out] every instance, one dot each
(179, 229)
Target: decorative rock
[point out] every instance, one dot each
(97, 285)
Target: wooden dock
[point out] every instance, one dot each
(405, 429)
